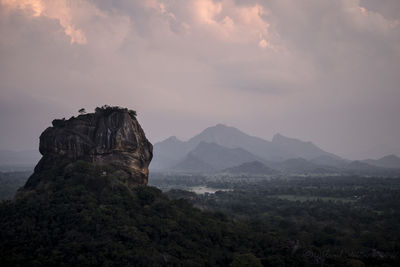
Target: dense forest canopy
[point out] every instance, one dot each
(88, 219)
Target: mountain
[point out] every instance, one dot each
(389, 161)
(300, 166)
(357, 165)
(193, 164)
(252, 168)
(327, 160)
(233, 138)
(168, 153)
(362, 168)
(300, 149)
(171, 151)
(211, 156)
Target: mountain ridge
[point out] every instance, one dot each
(388, 161)
(251, 168)
(216, 157)
(171, 151)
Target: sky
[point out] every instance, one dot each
(326, 71)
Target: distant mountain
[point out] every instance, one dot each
(168, 153)
(362, 168)
(297, 148)
(233, 138)
(389, 161)
(253, 168)
(357, 165)
(192, 164)
(300, 166)
(172, 151)
(211, 156)
(327, 160)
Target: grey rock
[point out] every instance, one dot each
(109, 137)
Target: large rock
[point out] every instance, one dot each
(110, 137)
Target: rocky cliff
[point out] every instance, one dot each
(110, 139)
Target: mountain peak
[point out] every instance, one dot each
(389, 161)
(281, 147)
(220, 127)
(279, 138)
(173, 139)
(219, 134)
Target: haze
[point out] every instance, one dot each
(325, 71)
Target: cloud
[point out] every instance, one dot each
(60, 10)
(321, 70)
(207, 10)
(36, 6)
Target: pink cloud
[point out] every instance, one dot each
(58, 10)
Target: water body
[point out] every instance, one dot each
(204, 189)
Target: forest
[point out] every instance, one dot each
(292, 221)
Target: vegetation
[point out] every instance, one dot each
(106, 110)
(85, 219)
(10, 182)
(82, 217)
(333, 219)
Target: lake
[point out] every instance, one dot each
(204, 189)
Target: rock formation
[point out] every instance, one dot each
(110, 137)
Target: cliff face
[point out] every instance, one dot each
(109, 137)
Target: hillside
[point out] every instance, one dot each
(301, 166)
(300, 149)
(193, 164)
(251, 168)
(171, 151)
(211, 156)
(389, 161)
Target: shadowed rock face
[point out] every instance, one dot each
(109, 137)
